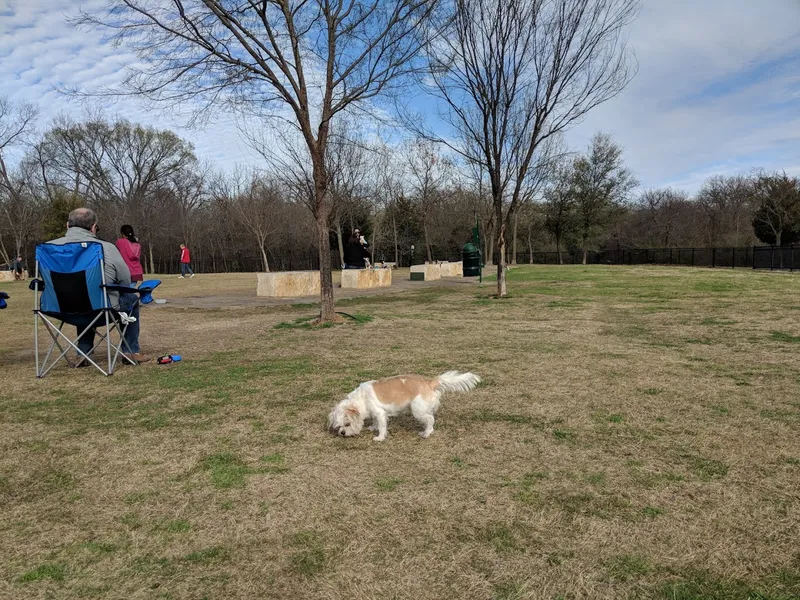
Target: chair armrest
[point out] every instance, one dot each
(36, 284)
(122, 289)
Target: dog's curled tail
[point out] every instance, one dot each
(453, 381)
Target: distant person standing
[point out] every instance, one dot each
(131, 251)
(365, 244)
(186, 258)
(356, 256)
(18, 267)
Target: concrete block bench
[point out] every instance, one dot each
(9, 275)
(429, 272)
(452, 269)
(362, 279)
(288, 284)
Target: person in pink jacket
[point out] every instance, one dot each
(131, 251)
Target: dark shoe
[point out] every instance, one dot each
(138, 357)
(82, 364)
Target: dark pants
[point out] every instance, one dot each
(126, 301)
(184, 268)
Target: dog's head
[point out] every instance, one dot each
(345, 419)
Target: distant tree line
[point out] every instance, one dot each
(410, 195)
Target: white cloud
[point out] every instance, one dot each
(705, 96)
(716, 92)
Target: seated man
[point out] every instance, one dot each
(82, 227)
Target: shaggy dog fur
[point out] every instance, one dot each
(384, 398)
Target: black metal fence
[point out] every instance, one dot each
(746, 257)
(753, 257)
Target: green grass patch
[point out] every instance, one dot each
(310, 557)
(628, 566)
(652, 391)
(229, 471)
(299, 323)
(388, 484)
(175, 526)
(500, 536)
(563, 434)
(780, 336)
(708, 469)
(56, 572)
(698, 584)
(651, 512)
(100, 547)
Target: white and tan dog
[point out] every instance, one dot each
(384, 398)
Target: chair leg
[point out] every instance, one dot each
(117, 348)
(108, 348)
(56, 333)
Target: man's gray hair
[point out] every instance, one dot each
(82, 217)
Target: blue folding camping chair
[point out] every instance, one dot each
(70, 288)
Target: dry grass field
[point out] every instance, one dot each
(636, 436)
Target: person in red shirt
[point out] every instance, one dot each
(185, 260)
(131, 251)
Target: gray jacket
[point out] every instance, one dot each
(116, 270)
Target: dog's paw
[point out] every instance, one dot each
(379, 438)
(425, 434)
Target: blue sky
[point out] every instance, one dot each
(718, 88)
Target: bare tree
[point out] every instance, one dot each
(728, 211)
(305, 61)
(254, 202)
(388, 187)
(559, 206)
(348, 159)
(514, 74)
(429, 172)
(17, 204)
(659, 218)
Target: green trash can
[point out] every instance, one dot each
(471, 260)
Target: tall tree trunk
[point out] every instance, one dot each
(327, 309)
(4, 253)
(530, 246)
(584, 241)
(376, 236)
(264, 257)
(490, 247)
(514, 241)
(501, 250)
(427, 240)
(558, 248)
(501, 263)
(152, 264)
(339, 240)
(396, 244)
(322, 214)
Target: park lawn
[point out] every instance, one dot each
(636, 436)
